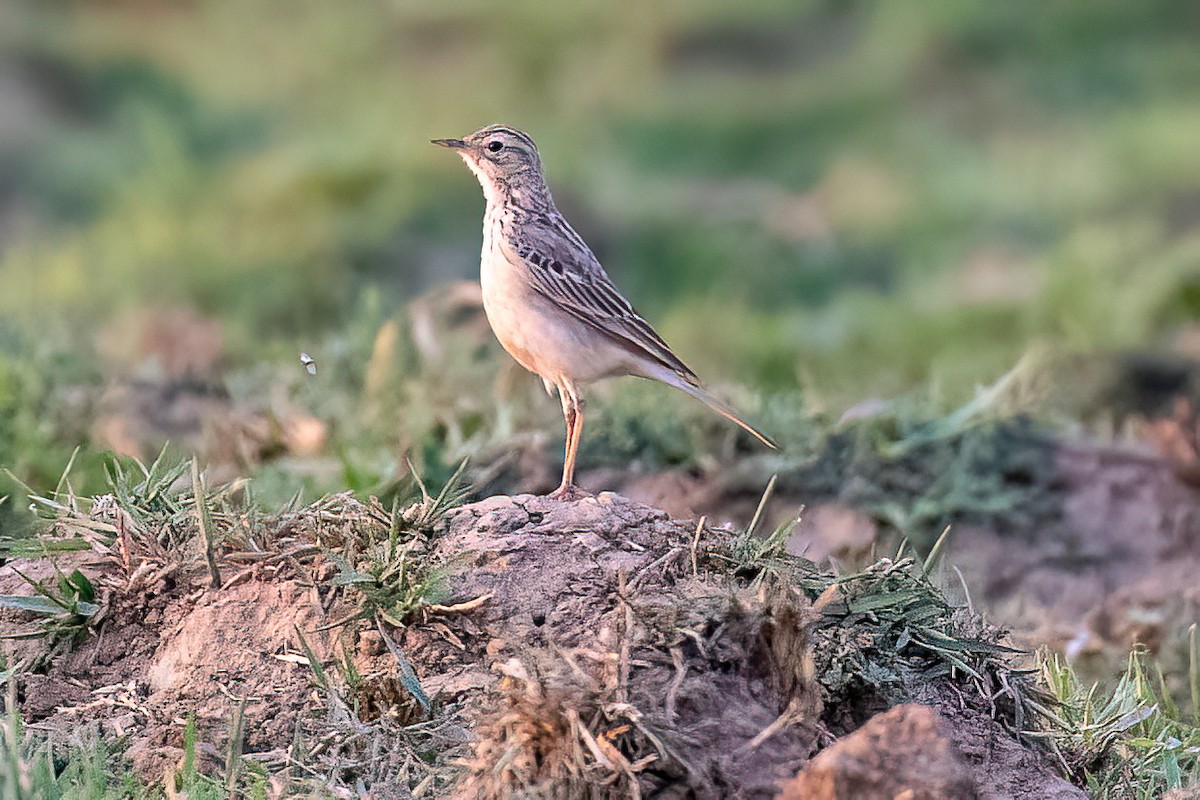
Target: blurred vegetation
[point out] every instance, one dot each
(822, 201)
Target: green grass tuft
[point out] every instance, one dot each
(1129, 742)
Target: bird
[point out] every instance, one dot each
(549, 301)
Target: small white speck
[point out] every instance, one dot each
(1074, 647)
(309, 363)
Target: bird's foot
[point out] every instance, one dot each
(568, 491)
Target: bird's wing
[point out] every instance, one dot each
(564, 271)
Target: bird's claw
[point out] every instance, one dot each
(568, 491)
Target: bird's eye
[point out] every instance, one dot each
(495, 146)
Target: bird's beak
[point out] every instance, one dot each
(453, 144)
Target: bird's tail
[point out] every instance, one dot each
(719, 406)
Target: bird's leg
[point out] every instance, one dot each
(568, 477)
(569, 414)
(573, 416)
(576, 437)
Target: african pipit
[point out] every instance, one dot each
(547, 298)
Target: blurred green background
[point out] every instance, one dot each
(817, 203)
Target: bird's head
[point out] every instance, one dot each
(501, 157)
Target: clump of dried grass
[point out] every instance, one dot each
(547, 738)
(162, 520)
(348, 748)
(162, 530)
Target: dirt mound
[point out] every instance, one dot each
(603, 615)
(169, 648)
(913, 751)
(515, 647)
(626, 661)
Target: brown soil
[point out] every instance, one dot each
(601, 620)
(594, 648)
(169, 648)
(1103, 557)
(1116, 568)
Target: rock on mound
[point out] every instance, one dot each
(908, 749)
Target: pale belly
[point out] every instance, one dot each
(546, 341)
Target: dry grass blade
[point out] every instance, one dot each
(762, 504)
(460, 608)
(935, 553)
(695, 544)
(791, 713)
(204, 522)
(1194, 671)
(233, 747)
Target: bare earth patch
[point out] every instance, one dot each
(1116, 567)
(1095, 551)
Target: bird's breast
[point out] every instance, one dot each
(544, 339)
(508, 301)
